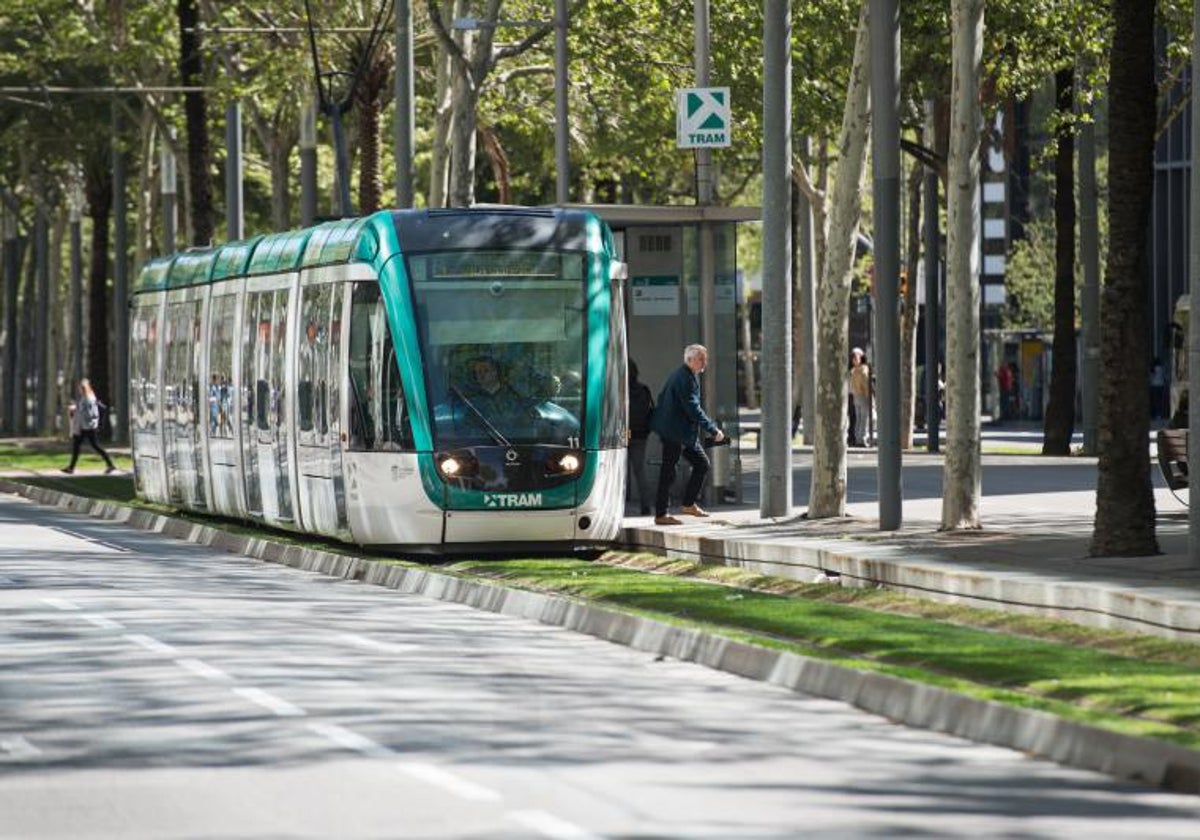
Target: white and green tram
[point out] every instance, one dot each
(413, 380)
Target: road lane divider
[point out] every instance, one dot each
(273, 704)
(103, 622)
(150, 643)
(549, 825)
(202, 669)
(18, 747)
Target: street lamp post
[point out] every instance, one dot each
(561, 149)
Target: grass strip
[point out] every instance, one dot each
(1120, 693)
(52, 454)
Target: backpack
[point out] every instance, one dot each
(641, 409)
(91, 414)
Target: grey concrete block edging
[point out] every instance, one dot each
(1094, 604)
(901, 701)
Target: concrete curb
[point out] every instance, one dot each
(1139, 608)
(909, 703)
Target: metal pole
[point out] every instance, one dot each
(170, 182)
(11, 280)
(75, 211)
(808, 309)
(561, 152)
(308, 164)
(235, 225)
(1194, 317)
(933, 293)
(404, 104)
(776, 472)
(885, 144)
(1089, 250)
(41, 346)
(119, 399)
(706, 252)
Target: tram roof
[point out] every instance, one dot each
(351, 240)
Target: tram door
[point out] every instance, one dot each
(318, 374)
(265, 431)
(219, 418)
(181, 399)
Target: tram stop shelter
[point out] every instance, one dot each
(672, 290)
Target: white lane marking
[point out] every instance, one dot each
(103, 623)
(549, 825)
(151, 644)
(61, 604)
(350, 740)
(373, 644)
(18, 747)
(429, 773)
(434, 775)
(270, 702)
(16, 539)
(91, 540)
(202, 669)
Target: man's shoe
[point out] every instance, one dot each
(68, 470)
(666, 520)
(110, 470)
(693, 510)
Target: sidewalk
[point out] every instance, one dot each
(1031, 554)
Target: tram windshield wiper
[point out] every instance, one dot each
(492, 430)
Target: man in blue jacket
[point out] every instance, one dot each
(678, 418)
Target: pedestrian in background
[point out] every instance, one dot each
(641, 410)
(860, 393)
(678, 419)
(85, 422)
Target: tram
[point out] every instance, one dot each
(425, 381)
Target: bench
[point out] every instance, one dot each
(1172, 458)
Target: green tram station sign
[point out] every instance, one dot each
(702, 118)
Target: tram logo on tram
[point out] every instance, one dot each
(447, 366)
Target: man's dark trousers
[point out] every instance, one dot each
(666, 476)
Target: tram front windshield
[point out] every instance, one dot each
(503, 333)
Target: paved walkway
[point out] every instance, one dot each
(1030, 555)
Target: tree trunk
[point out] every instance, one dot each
(439, 166)
(374, 83)
(462, 145)
(961, 471)
(1124, 524)
(494, 149)
(827, 496)
(279, 152)
(99, 186)
(1060, 413)
(908, 311)
(191, 73)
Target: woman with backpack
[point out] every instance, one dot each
(85, 421)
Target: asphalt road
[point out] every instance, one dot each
(152, 688)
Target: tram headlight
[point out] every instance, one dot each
(568, 463)
(457, 465)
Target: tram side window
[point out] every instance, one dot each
(378, 411)
(313, 365)
(256, 359)
(616, 397)
(143, 379)
(220, 365)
